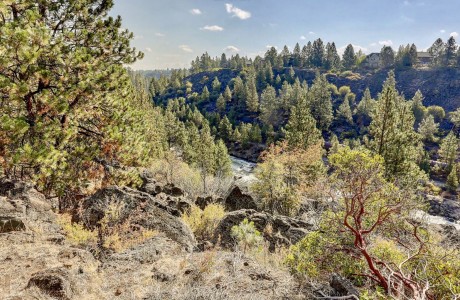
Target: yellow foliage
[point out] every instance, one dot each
(76, 234)
(204, 222)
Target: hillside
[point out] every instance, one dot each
(440, 86)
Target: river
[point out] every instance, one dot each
(243, 170)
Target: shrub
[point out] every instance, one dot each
(76, 234)
(204, 222)
(247, 236)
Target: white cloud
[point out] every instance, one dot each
(231, 49)
(195, 11)
(442, 31)
(373, 44)
(311, 33)
(212, 28)
(454, 34)
(186, 48)
(237, 12)
(159, 34)
(303, 37)
(148, 49)
(386, 43)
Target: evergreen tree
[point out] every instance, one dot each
(252, 98)
(452, 179)
(413, 55)
(437, 50)
(387, 57)
(296, 55)
(225, 129)
(301, 131)
(344, 111)
(205, 94)
(306, 55)
(332, 57)
(349, 57)
(321, 103)
(448, 150)
(256, 134)
(223, 61)
(269, 105)
(239, 91)
(228, 94)
(317, 55)
(221, 103)
(216, 85)
(69, 108)
(204, 149)
(450, 52)
(393, 135)
(418, 108)
(291, 75)
(222, 162)
(428, 128)
(285, 55)
(335, 144)
(365, 108)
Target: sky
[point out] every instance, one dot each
(172, 33)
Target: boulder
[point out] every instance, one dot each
(447, 208)
(277, 230)
(343, 287)
(53, 282)
(142, 209)
(237, 199)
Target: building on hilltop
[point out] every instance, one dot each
(372, 60)
(424, 58)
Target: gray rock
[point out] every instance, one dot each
(343, 287)
(53, 282)
(275, 229)
(141, 209)
(237, 199)
(450, 209)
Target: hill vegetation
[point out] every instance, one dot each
(139, 173)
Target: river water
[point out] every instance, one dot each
(243, 170)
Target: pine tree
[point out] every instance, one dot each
(418, 108)
(256, 134)
(452, 179)
(332, 57)
(437, 50)
(216, 85)
(204, 149)
(228, 94)
(349, 57)
(301, 131)
(317, 55)
(448, 150)
(365, 108)
(321, 103)
(296, 56)
(222, 162)
(306, 55)
(252, 98)
(269, 106)
(387, 56)
(205, 94)
(335, 144)
(69, 107)
(344, 111)
(393, 135)
(221, 103)
(450, 52)
(225, 129)
(239, 91)
(428, 128)
(285, 55)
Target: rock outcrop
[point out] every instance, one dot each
(447, 208)
(277, 230)
(236, 199)
(150, 212)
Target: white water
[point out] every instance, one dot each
(244, 171)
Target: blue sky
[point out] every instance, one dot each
(172, 33)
